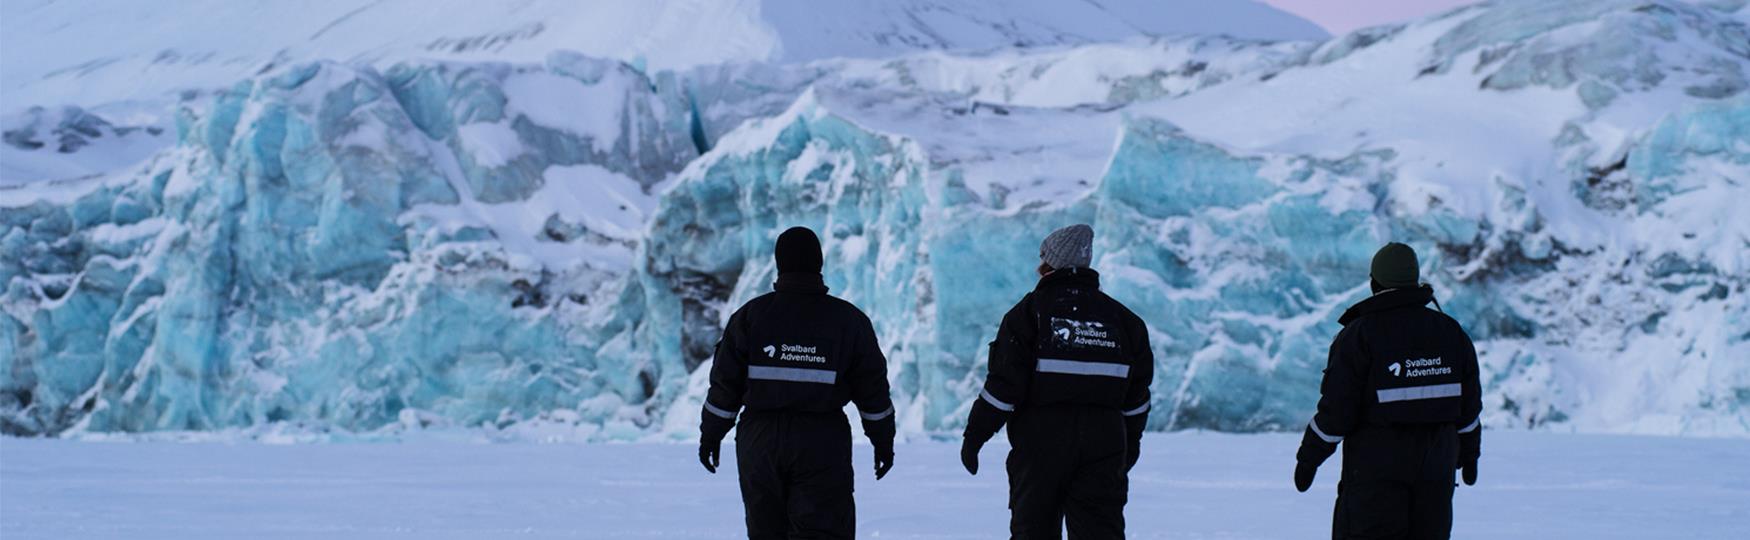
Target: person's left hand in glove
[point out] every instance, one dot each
(969, 456)
(708, 455)
(1303, 476)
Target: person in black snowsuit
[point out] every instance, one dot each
(1069, 374)
(787, 363)
(1401, 394)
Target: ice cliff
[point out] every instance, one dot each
(336, 247)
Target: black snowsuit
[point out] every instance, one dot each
(792, 359)
(1402, 395)
(1069, 373)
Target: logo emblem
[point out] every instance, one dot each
(1063, 334)
(1395, 368)
(771, 352)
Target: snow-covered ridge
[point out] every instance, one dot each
(71, 142)
(86, 52)
(556, 244)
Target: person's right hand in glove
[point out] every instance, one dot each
(883, 459)
(1470, 447)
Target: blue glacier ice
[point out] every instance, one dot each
(276, 266)
(522, 246)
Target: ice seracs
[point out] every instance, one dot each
(474, 243)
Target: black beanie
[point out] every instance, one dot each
(1394, 266)
(798, 250)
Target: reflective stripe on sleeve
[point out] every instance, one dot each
(727, 415)
(1413, 393)
(876, 416)
(769, 373)
(1077, 367)
(994, 402)
(1474, 424)
(1138, 410)
(1314, 424)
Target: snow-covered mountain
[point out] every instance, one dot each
(86, 52)
(525, 245)
(40, 143)
(153, 55)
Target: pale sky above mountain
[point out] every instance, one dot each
(1341, 16)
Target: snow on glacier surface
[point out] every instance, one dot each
(1186, 485)
(515, 246)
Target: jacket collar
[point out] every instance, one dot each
(1387, 300)
(800, 282)
(1070, 278)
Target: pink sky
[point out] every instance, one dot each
(1341, 16)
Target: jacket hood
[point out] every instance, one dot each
(800, 282)
(1387, 300)
(1070, 277)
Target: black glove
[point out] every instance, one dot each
(1133, 427)
(1303, 476)
(880, 433)
(712, 429)
(981, 425)
(969, 456)
(708, 454)
(883, 459)
(1470, 447)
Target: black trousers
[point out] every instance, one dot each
(1397, 483)
(796, 476)
(1068, 466)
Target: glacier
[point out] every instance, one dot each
(531, 247)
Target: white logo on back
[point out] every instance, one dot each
(1424, 367)
(795, 353)
(1395, 369)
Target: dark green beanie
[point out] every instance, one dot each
(1395, 266)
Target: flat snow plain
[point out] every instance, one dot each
(1189, 485)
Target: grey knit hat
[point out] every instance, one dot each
(1069, 247)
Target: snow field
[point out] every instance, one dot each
(1187, 485)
